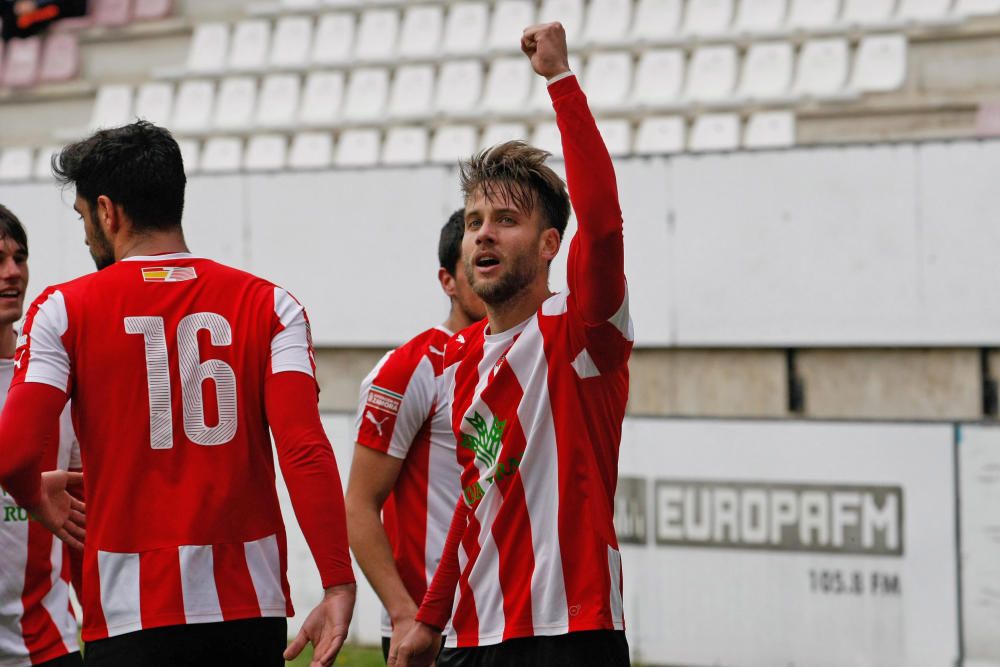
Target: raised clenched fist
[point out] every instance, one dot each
(545, 46)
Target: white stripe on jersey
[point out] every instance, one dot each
(264, 564)
(201, 599)
(617, 605)
(485, 577)
(290, 346)
(119, 575)
(56, 601)
(48, 361)
(13, 546)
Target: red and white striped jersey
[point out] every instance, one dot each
(166, 360)
(36, 621)
(398, 415)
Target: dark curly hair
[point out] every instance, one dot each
(11, 228)
(450, 243)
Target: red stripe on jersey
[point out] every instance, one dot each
(160, 593)
(41, 636)
(408, 534)
(465, 620)
(97, 625)
(237, 595)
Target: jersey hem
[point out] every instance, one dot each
(37, 658)
(532, 631)
(184, 619)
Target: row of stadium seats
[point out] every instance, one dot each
(407, 146)
(614, 81)
(117, 13)
(27, 62)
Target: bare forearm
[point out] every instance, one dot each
(373, 553)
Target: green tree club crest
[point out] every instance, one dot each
(486, 442)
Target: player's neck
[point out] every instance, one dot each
(518, 308)
(152, 243)
(457, 319)
(8, 341)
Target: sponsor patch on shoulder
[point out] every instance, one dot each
(168, 274)
(22, 340)
(384, 400)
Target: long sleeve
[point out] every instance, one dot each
(435, 610)
(29, 430)
(596, 267)
(310, 471)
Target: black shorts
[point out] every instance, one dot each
(596, 648)
(69, 660)
(252, 642)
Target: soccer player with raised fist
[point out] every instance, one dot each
(531, 572)
(176, 366)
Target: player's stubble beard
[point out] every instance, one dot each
(101, 250)
(521, 272)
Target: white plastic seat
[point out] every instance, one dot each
(459, 87)
(617, 135)
(357, 148)
(299, 5)
(193, 106)
(367, 93)
(508, 84)
(567, 12)
(222, 154)
(421, 33)
(977, 7)
(510, 18)
(657, 20)
(209, 47)
(452, 143)
(405, 146)
(540, 100)
(880, 64)
(761, 16)
(822, 68)
(334, 41)
(659, 78)
(708, 17)
(547, 137)
(608, 21)
(154, 102)
(311, 150)
(190, 155)
(499, 133)
(43, 163)
(659, 135)
(923, 10)
(813, 14)
(16, 164)
(236, 102)
(715, 132)
(767, 70)
(608, 79)
(322, 98)
(466, 28)
(867, 12)
(265, 152)
(377, 35)
(412, 91)
(113, 106)
(251, 42)
(278, 102)
(711, 73)
(770, 129)
(292, 42)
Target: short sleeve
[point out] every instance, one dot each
(291, 344)
(41, 354)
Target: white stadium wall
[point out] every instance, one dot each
(861, 245)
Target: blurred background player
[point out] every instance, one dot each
(185, 553)
(404, 463)
(37, 626)
(538, 395)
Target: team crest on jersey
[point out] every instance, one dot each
(384, 400)
(168, 274)
(486, 444)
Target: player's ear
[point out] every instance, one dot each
(108, 214)
(550, 243)
(447, 282)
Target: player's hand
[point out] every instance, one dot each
(400, 629)
(545, 46)
(419, 648)
(326, 626)
(57, 510)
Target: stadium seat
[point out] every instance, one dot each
(334, 41)
(498, 133)
(251, 40)
(193, 106)
(715, 132)
(278, 102)
(813, 14)
(112, 107)
(60, 58)
(412, 91)
(656, 20)
(460, 83)
(660, 135)
(452, 143)
(421, 33)
(770, 129)
(711, 74)
(761, 16)
(508, 84)
(617, 134)
(367, 94)
(190, 155)
(265, 152)
(767, 70)
(322, 98)
(236, 103)
(923, 10)
(608, 79)
(357, 148)
(111, 13)
(509, 19)
(16, 164)
(822, 68)
(43, 163)
(866, 13)
(292, 42)
(659, 78)
(988, 119)
(977, 7)
(405, 146)
(154, 102)
(708, 17)
(299, 5)
(311, 150)
(567, 12)
(540, 100)
(880, 64)
(377, 35)
(222, 154)
(209, 46)
(21, 62)
(608, 22)
(466, 28)
(151, 10)
(547, 137)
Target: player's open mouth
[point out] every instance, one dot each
(486, 264)
(10, 294)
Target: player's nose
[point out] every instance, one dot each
(10, 270)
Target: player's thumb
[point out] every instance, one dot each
(74, 479)
(296, 646)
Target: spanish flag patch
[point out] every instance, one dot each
(168, 274)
